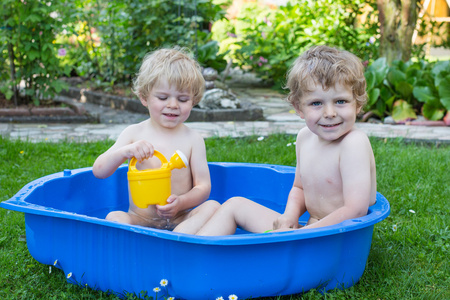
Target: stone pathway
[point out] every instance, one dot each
(280, 118)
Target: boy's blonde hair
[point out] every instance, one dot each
(177, 66)
(326, 66)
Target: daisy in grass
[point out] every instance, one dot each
(164, 282)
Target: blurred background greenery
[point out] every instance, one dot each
(103, 42)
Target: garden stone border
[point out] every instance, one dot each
(73, 113)
(248, 112)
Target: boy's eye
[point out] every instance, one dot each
(161, 97)
(183, 99)
(341, 102)
(316, 103)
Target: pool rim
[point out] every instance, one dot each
(378, 212)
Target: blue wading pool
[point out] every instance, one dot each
(64, 219)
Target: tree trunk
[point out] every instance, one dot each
(12, 68)
(397, 22)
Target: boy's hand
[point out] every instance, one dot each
(169, 210)
(141, 150)
(284, 222)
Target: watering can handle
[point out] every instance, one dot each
(158, 154)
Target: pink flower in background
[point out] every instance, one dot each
(262, 59)
(264, 35)
(231, 35)
(371, 41)
(267, 21)
(62, 52)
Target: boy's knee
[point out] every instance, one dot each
(118, 216)
(212, 205)
(234, 202)
(209, 207)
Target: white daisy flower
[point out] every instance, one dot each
(164, 282)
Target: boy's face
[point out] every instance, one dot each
(168, 106)
(330, 114)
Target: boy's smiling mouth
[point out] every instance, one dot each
(170, 115)
(330, 125)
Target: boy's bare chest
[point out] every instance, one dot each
(167, 146)
(321, 180)
(319, 168)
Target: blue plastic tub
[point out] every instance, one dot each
(64, 219)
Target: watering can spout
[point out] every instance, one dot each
(178, 161)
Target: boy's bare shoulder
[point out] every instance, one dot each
(193, 134)
(356, 133)
(131, 132)
(355, 138)
(137, 126)
(304, 134)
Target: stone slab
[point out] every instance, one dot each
(248, 112)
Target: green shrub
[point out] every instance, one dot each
(29, 50)
(104, 41)
(208, 56)
(405, 89)
(108, 39)
(267, 41)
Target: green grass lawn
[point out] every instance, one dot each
(409, 258)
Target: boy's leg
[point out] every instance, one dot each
(126, 218)
(242, 212)
(196, 218)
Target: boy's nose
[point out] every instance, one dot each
(172, 102)
(329, 111)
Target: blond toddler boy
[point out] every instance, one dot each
(335, 176)
(169, 84)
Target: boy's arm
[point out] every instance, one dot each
(124, 148)
(355, 167)
(295, 206)
(201, 181)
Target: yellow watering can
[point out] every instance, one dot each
(152, 186)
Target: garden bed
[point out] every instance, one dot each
(248, 111)
(60, 110)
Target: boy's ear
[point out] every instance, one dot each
(143, 101)
(297, 107)
(358, 109)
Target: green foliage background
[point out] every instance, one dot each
(266, 41)
(405, 88)
(101, 40)
(28, 49)
(104, 42)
